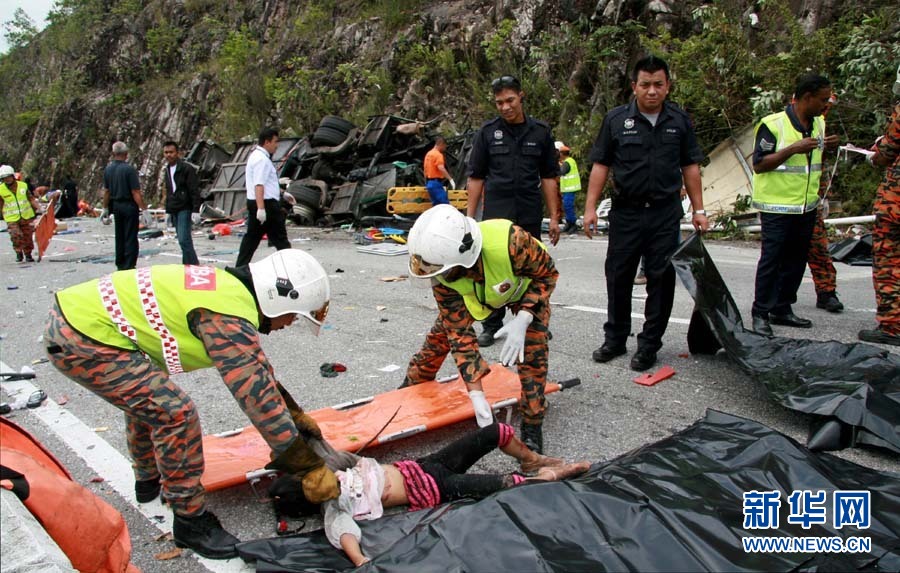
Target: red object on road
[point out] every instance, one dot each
(656, 377)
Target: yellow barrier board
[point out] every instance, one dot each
(405, 200)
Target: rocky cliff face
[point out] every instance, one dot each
(146, 72)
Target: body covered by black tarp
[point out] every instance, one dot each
(676, 505)
(854, 388)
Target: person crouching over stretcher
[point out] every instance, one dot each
(123, 335)
(474, 269)
(368, 487)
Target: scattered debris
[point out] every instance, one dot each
(389, 368)
(36, 399)
(97, 479)
(331, 369)
(380, 307)
(39, 361)
(167, 536)
(12, 287)
(167, 555)
(383, 249)
(395, 279)
(649, 379)
(62, 400)
(102, 429)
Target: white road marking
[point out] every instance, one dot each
(604, 311)
(108, 463)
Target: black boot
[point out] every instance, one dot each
(533, 437)
(146, 490)
(204, 534)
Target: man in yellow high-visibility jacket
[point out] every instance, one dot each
(20, 209)
(787, 165)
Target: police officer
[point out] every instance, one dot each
(787, 168)
(650, 147)
(513, 163)
(123, 335)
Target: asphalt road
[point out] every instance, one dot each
(373, 328)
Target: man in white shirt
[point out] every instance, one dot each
(264, 214)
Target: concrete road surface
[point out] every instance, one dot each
(373, 328)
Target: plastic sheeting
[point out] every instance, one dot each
(676, 505)
(854, 389)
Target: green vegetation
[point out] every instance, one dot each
(112, 58)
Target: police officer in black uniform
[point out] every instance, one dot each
(650, 147)
(513, 162)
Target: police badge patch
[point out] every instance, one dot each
(629, 123)
(498, 134)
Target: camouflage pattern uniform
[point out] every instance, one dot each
(21, 234)
(821, 265)
(886, 234)
(453, 331)
(162, 425)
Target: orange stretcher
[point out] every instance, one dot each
(240, 456)
(45, 228)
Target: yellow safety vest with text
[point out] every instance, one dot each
(146, 309)
(571, 181)
(793, 186)
(15, 203)
(503, 287)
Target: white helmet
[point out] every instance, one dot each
(7, 171)
(442, 238)
(292, 281)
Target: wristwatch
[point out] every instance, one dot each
(699, 212)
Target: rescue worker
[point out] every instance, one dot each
(886, 235)
(569, 185)
(19, 209)
(436, 172)
(787, 168)
(122, 336)
(821, 265)
(474, 269)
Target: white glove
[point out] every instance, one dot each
(170, 221)
(452, 184)
(483, 415)
(195, 218)
(824, 208)
(261, 216)
(104, 217)
(514, 331)
(146, 218)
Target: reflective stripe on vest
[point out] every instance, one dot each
(504, 286)
(571, 181)
(16, 204)
(793, 186)
(146, 309)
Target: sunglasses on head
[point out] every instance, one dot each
(506, 82)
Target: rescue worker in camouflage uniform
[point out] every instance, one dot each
(886, 235)
(20, 210)
(821, 265)
(123, 335)
(476, 268)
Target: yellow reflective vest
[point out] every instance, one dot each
(146, 309)
(503, 287)
(571, 181)
(793, 186)
(16, 204)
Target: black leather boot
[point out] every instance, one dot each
(204, 535)
(146, 490)
(533, 437)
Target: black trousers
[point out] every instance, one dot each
(126, 218)
(782, 261)
(652, 233)
(274, 227)
(448, 466)
(494, 322)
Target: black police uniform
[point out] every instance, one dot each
(646, 163)
(512, 160)
(121, 179)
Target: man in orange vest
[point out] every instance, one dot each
(436, 172)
